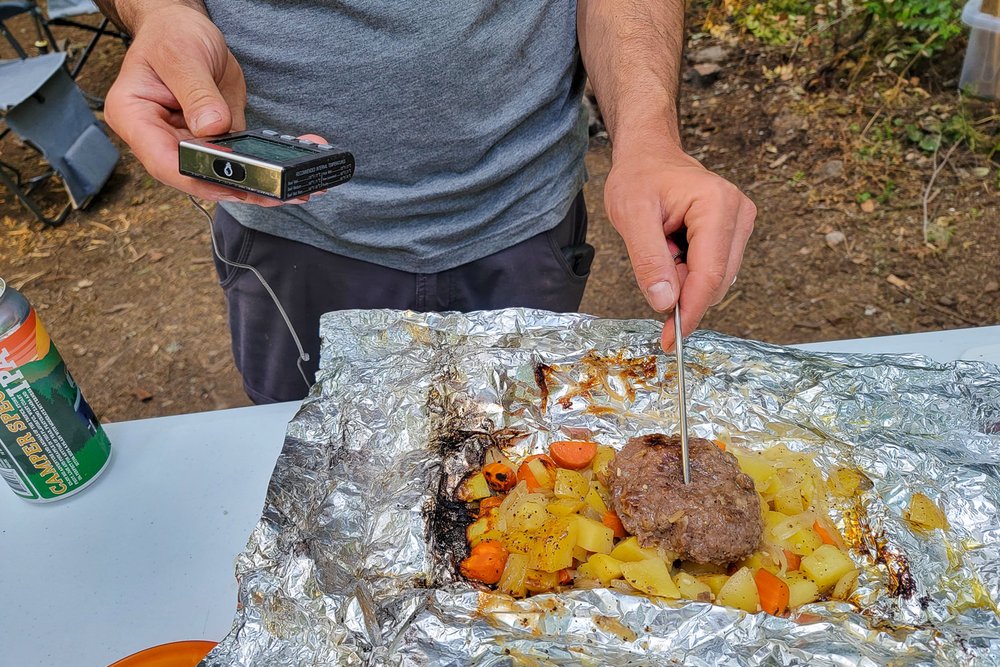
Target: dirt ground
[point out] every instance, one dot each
(129, 293)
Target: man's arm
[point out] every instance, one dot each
(178, 80)
(632, 51)
(127, 14)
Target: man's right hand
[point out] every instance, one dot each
(179, 80)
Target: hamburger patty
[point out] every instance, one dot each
(714, 519)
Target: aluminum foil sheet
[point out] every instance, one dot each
(354, 561)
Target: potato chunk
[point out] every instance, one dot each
(760, 470)
(826, 566)
(474, 488)
(602, 567)
(594, 536)
(481, 530)
(629, 551)
(692, 589)
(800, 590)
(715, 582)
(514, 574)
(595, 501)
(924, 514)
(804, 542)
(740, 592)
(602, 459)
(553, 549)
(564, 506)
(519, 542)
(530, 516)
(570, 484)
(651, 577)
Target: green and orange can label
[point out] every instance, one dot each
(51, 444)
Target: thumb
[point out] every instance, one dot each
(193, 82)
(205, 110)
(653, 262)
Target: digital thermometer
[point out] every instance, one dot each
(266, 162)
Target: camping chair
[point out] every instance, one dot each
(62, 12)
(42, 105)
(10, 9)
(59, 13)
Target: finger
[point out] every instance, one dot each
(234, 89)
(680, 262)
(641, 227)
(315, 138)
(711, 227)
(667, 336)
(744, 228)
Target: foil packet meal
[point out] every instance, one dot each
(354, 561)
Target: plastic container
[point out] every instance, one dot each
(981, 69)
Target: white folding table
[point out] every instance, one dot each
(145, 555)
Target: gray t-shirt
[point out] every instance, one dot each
(464, 118)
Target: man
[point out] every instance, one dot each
(466, 123)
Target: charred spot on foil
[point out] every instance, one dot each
(901, 582)
(449, 520)
(461, 434)
(541, 379)
(874, 544)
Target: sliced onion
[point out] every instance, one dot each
(621, 585)
(496, 455)
(845, 585)
(584, 583)
(510, 504)
(782, 531)
(777, 555)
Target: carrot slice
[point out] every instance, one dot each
(611, 520)
(573, 454)
(773, 592)
(525, 475)
(794, 560)
(829, 535)
(488, 504)
(499, 476)
(721, 445)
(486, 562)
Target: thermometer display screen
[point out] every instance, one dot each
(263, 149)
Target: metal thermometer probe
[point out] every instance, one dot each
(681, 394)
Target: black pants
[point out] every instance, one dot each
(547, 271)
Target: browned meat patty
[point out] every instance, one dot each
(714, 519)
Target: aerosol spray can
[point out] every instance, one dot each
(51, 444)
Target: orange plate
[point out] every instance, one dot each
(175, 654)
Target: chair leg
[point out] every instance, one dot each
(13, 42)
(23, 197)
(96, 103)
(88, 49)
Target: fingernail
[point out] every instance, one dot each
(205, 119)
(660, 296)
